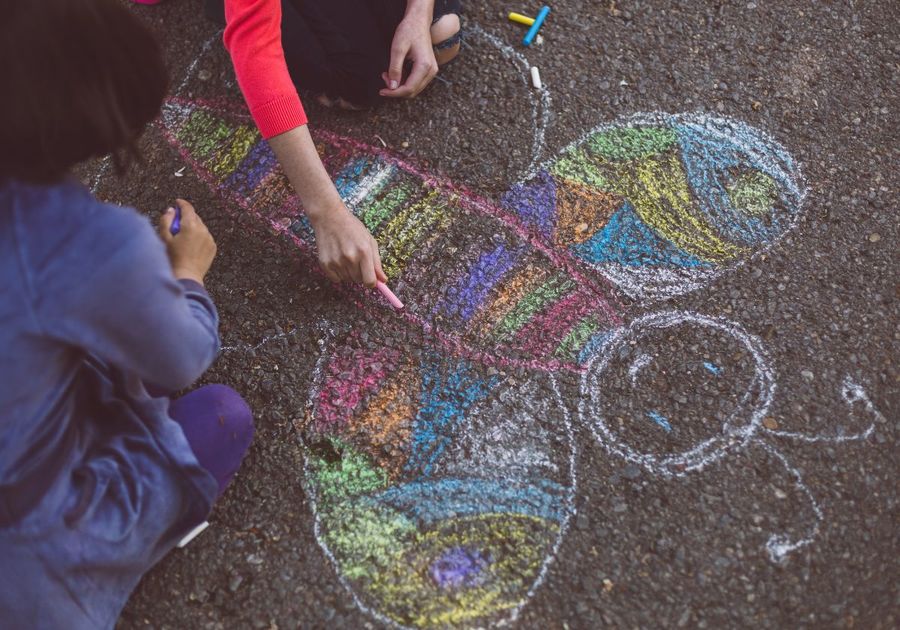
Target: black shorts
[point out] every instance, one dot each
(339, 48)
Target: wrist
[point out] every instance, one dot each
(324, 212)
(419, 10)
(188, 274)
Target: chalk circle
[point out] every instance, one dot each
(675, 391)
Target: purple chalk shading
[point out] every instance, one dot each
(260, 161)
(467, 295)
(459, 567)
(534, 202)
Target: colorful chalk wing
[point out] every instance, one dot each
(659, 203)
(442, 471)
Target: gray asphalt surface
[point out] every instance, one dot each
(642, 550)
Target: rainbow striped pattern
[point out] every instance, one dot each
(442, 483)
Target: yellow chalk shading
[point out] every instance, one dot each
(404, 233)
(516, 544)
(230, 155)
(657, 187)
(661, 196)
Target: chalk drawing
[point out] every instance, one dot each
(440, 452)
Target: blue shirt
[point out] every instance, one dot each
(96, 481)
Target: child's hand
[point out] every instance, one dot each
(192, 250)
(347, 251)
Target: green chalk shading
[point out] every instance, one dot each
(203, 133)
(351, 475)
(630, 143)
(578, 167)
(384, 206)
(367, 541)
(753, 193)
(531, 304)
(577, 337)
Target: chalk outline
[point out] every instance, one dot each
(708, 451)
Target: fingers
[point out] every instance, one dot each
(376, 255)
(165, 224)
(421, 75)
(395, 68)
(332, 272)
(362, 266)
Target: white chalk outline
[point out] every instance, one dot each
(733, 437)
(709, 450)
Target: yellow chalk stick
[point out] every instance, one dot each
(521, 19)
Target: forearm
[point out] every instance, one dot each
(297, 154)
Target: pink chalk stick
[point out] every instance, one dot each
(389, 295)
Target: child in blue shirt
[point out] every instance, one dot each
(99, 477)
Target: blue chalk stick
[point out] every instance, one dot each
(176, 222)
(541, 16)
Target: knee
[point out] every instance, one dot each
(234, 414)
(445, 37)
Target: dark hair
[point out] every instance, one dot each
(78, 78)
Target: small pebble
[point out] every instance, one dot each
(874, 237)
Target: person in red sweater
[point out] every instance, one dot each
(325, 47)
(346, 52)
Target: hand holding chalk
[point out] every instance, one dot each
(389, 295)
(190, 253)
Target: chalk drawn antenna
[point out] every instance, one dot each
(540, 109)
(780, 545)
(852, 393)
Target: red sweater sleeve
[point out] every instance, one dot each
(253, 38)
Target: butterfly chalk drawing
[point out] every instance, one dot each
(440, 449)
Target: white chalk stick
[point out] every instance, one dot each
(191, 535)
(535, 77)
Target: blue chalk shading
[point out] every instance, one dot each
(429, 502)
(348, 178)
(258, 163)
(534, 202)
(593, 346)
(712, 151)
(301, 226)
(447, 395)
(627, 240)
(469, 292)
(660, 420)
(712, 367)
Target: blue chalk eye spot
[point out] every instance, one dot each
(660, 420)
(712, 367)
